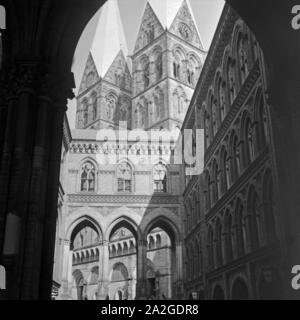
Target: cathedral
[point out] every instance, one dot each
(101, 213)
(120, 227)
(133, 221)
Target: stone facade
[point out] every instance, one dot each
(128, 213)
(231, 222)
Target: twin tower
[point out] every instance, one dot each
(150, 88)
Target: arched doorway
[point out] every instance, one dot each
(122, 260)
(84, 247)
(162, 252)
(239, 290)
(159, 265)
(79, 286)
(218, 293)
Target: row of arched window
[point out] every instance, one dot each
(120, 249)
(85, 256)
(238, 60)
(149, 69)
(245, 142)
(124, 177)
(186, 66)
(128, 247)
(117, 109)
(248, 227)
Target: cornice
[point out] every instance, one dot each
(131, 199)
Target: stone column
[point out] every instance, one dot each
(61, 92)
(103, 289)
(30, 171)
(141, 285)
(177, 262)
(66, 280)
(6, 158)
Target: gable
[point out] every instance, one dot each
(150, 29)
(184, 26)
(90, 75)
(118, 73)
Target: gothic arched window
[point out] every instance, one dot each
(160, 178)
(243, 58)
(124, 177)
(232, 81)
(87, 177)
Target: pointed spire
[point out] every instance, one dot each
(165, 10)
(109, 37)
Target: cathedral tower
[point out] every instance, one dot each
(167, 60)
(104, 96)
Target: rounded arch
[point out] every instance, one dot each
(157, 50)
(180, 51)
(119, 272)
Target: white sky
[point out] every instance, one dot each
(206, 12)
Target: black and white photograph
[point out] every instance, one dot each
(149, 150)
